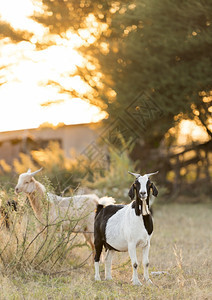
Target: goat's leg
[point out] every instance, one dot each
(98, 249)
(108, 263)
(145, 261)
(134, 261)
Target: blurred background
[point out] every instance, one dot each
(91, 89)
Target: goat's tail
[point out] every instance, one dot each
(104, 201)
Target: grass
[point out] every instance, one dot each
(181, 246)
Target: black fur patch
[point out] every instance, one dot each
(131, 192)
(101, 218)
(136, 205)
(98, 209)
(148, 223)
(154, 190)
(135, 265)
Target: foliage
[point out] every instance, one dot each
(162, 49)
(64, 173)
(114, 181)
(6, 30)
(68, 174)
(81, 174)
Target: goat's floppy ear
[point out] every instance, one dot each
(154, 190)
(132, 192)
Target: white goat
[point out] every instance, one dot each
(124, 227)
(80, 207)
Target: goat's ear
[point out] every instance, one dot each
(154, 190)
(132, 192)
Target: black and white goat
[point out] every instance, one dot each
(124, 227)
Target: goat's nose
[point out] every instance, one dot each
(16, 190)
(143, 193)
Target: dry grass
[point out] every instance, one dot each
(181, 246)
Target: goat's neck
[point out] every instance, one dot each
(36, 199)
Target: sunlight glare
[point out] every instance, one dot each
(190, 130)
(26, 91)
(17, 13)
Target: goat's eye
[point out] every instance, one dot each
(26, 182)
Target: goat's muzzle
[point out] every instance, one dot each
(143, 195)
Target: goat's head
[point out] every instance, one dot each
(26, 182)
(142, 187)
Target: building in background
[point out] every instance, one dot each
(76, 137)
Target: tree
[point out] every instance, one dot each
(6, 30)
(163, 49)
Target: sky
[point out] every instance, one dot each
(25, 91)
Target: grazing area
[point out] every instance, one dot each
(181, 247)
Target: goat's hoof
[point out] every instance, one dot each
(108, 278)
(97, 278)
(137, 282)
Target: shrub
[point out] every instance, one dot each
(29, 244)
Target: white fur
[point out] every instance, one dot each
(124, 228)
(143, 181)
(106, 201)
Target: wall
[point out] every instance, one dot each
(76, 137)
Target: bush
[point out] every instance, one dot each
(29, 244)
(114, 181)
(64, 173)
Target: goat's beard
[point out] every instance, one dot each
(141, 207)
(145, 208)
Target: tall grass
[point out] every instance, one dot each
(28, 243)
(114, 180)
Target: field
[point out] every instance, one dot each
(181, 247)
